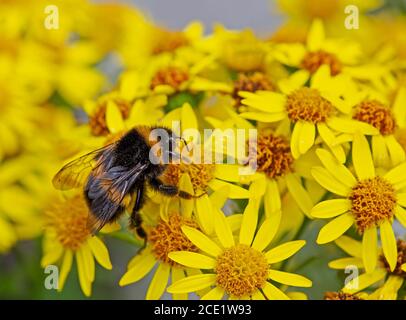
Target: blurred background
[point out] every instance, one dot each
(30, 137)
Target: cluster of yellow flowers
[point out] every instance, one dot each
(329, 108)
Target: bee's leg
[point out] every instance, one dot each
(136, 219)
(169, 190)
(166, 189)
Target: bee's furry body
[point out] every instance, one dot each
(122, 169)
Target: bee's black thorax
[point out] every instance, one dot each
(131, 149)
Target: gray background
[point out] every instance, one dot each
(260, 15)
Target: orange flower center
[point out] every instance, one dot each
(273, 155)
(200, 175)
(167, 237)
(377, 115)
(97, 120)
(314, 60)
(168, 41)
(170, 76)
(340, 296)
(68, 219)
(307, 104)
(254, 82)
(241, 270)
(373, 201)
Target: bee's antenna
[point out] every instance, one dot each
(183, 140)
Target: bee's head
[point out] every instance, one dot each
(165, 144)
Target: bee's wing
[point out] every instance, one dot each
(106, 193)
(75, 173)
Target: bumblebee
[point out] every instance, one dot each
(120, 171)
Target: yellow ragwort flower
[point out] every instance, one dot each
(369, 202)
(240, 269)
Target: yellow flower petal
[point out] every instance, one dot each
(214, 294)
(158, 282)
(398, 107)
(176, 275)
(192, 259)
(236, 192)
(272, 200)
(114, 119)
(219, 197)
(326, 134)
(401, 198)
(350, 246)
(295, 139)
(351, 126)
(88, 261)
(227, 172)
(249, 223)
(321, 77)
(192, 283)
(265, 101)
(204, 213)
(364, 281)
(84, 280)
(343, 263)
(370, 249)
(265, 234)
(174, 115)
(187, 205)
(307, 136)
(335, 228)
(258, 187)
(330, 208)
(257, 295)
(297, 79)
(188, 117)
(403, 267)
(142, 264)
(284, 251)
(65, 268)
(263, 117)
(223, 230)
(100, 252)
(336, 169)
(362, 158)
(316, 35)
(235, 221)
(389, 290)
(52, 252)
(295, 295)
(290, 279)
(326, 180)
(396, 151)
(389, 246)
(379, 151)
(201, 241)
(110, 227)
(397, 174)
(400, 214)
(273, 293)
(299, 193)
